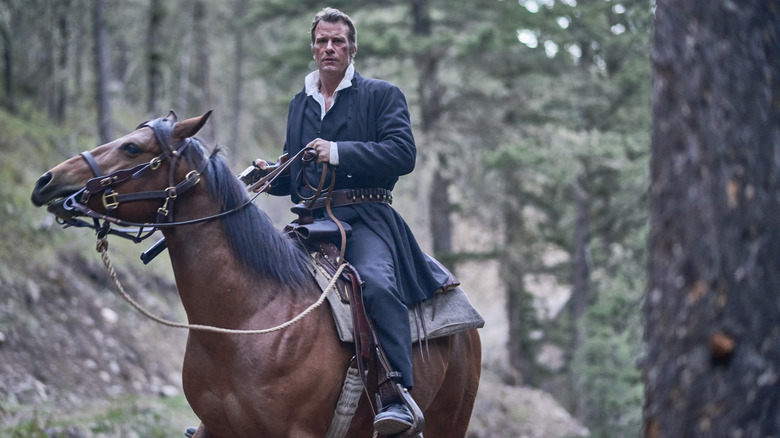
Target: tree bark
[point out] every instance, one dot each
(9, 103)
(102, 71)
(519, 305)
(580, 295)
(185, 60)
(200, 78)
(713, 363)
(154, 57)
(238, 76)
(61, 96)
(430, 91)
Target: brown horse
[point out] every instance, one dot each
(240, 272)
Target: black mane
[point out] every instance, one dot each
(258, 244)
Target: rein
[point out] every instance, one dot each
(111, 200)
(102, 248)
(163, 131)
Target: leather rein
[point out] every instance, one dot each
(163, 131)
(105, 187)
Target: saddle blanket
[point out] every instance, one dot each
(445, 314)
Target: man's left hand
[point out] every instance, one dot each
(322, 149)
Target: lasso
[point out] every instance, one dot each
(102, 248)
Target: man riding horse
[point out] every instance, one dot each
(361, 128)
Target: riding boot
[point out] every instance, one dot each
(399, 417)
(398, 414)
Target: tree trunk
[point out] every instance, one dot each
(154, 57)
(9, 103)
(441, 223)
(201, 70)
(48, 61)
(102, 71)
(238, 77)
(185, 60)
(61, 96)
(580, 294)
(80, 49)
(429, 90)
(713, 364)
(519, 305)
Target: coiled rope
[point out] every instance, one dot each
(102, 248)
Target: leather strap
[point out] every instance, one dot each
(340, 198)
(87, 156)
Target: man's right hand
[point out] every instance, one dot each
(261, 164)
(253, 173)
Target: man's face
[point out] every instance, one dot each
(331, 48)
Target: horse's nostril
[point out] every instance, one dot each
(42, 182)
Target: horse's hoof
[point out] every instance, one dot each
(190, 432)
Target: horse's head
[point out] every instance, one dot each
(133, 177)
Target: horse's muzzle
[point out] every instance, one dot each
(60, 201)
(38, 196)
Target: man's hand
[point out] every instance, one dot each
(260, 164)
(253, 173)
(321, 148)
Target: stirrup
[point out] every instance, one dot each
(418, 421)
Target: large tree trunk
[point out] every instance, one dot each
(712, 308)
(102, 71)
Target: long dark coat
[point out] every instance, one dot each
(376, 148)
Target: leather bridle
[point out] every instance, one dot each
(106, 187)
(106, 184)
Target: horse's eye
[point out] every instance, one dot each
(131, 149)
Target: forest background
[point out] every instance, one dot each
(532, 124)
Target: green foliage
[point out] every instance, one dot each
(32, 428)
(606, 368)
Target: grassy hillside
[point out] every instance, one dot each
(74, 358)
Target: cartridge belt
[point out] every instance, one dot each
(340, 198)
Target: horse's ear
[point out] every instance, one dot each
(188, 128)
(172, 116)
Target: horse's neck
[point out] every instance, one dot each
(199, 271)
(214, 287)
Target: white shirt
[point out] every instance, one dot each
(312, 86)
